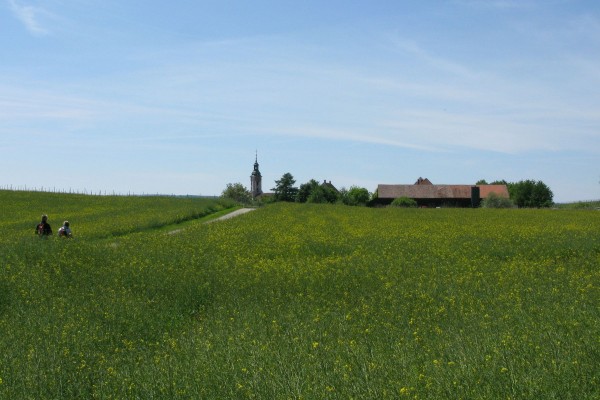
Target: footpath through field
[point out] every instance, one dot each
(232, 214)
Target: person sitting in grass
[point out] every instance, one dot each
(65, 230)
(43, 229)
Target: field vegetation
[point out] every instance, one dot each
(297, 301)
(580, 205)
(101, 216)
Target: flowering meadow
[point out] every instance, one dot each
(297, 302)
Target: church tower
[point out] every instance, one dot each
(256, 180)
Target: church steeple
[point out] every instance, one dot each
(256, 179)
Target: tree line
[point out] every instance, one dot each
(310, 192)
(523, 194)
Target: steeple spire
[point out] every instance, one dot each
(256, 164)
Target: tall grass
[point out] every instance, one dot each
(580, 205)
(100, 216)
(310, 301)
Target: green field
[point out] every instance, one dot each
(580, 205)
(296, 301)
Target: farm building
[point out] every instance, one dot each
(329, 185)
(427, 194)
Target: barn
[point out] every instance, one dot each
(427, 194)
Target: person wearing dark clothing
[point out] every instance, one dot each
(43, 228)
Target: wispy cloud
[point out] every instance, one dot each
(497, 4)
(29, 16)
(352, 136)
(227, 92)
(21, 103)
(510, 134)
(422, 55)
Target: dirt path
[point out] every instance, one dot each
(233, 214)
(226, 216)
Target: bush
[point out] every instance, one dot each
(404, 202)
(355, 196)
(495, 201)
(237, 192)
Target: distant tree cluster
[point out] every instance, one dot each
(309, 192)
(525, 193)
(315, 192)
(355, 196)
(530, 193)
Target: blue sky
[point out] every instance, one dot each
(176, 97)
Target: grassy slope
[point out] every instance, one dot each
(309, 301)
(100, 216)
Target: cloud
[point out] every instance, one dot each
(350, 135)
(28, 15)
(20, 103)
(496, 4)
(508, 133)
(426, 58)
(224, 90)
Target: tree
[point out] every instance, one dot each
(355, 196)
(305, 191)
(237, 192)
(541, 195)
(530, 193)
(315, 192)
(284, 188)
(527, 193)
(323, 194)
(318, 195)
(481, 182)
